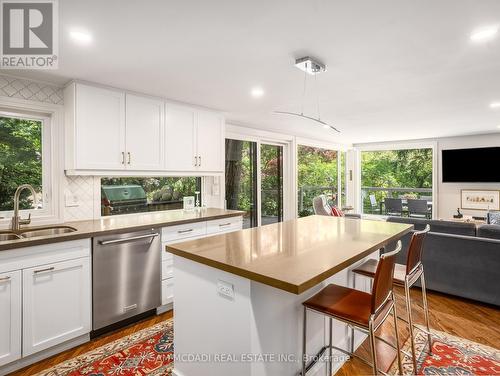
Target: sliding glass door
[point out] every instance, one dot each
(271, 175)
(241, 179)
(254, 181)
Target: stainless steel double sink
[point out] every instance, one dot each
(35, 232)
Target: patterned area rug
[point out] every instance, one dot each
(147, 352)
(450, 356)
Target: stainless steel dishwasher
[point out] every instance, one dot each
(126, 276)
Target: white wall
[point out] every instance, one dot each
(449, 193)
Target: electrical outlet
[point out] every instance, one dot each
(226, 289)
(71, 200)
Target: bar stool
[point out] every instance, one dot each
(406, 276)
(359, 310)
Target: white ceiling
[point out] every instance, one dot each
(397, 69)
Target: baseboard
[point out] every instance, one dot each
(24, 362)
(164, 308)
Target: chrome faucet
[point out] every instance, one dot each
(17, 221)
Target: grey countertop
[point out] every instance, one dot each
(120, 224)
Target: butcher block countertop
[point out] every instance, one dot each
(294, 255)
(120, 224)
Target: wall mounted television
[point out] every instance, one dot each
(480, 165)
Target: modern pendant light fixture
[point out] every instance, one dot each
(310, 67)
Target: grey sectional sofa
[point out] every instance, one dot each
(460, 259)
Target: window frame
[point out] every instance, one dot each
(391, 146)
(52, 153)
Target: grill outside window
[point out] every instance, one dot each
(136, 195)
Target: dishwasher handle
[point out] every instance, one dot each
(126, 240)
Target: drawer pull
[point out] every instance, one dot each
(225, 224)
(4, 279)
(44, 270)
(184, 231)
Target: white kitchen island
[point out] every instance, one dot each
(238, 296)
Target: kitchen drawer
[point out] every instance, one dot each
(179, 232)
(224, 225)
(165, 256)
(167, 291)
(167, 269)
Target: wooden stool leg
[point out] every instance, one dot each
(410, 326)
(426, 312)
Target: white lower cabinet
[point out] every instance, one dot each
(10, 316)
(56, 304)
(167, 291)
(189, 231)
(45, 299)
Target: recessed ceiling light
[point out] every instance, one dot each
(81, 36)
(484, 34)
(498, 126)
(495, 105)
(257, 92)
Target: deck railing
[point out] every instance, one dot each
(381, 193)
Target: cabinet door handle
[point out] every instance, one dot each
(184, 231)
(123, 157)
(44, 270)
(4, 279)
(129, 158)
(225, 224)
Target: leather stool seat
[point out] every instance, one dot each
(346, 303)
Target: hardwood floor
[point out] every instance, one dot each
(462, 318)
(466, 319)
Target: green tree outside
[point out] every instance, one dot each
(20, 160)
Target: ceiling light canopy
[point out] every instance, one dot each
(312, 67)
(495, 105)
(257, 92)
(484, 34)
(81, 37)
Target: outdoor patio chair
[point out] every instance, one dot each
(418, 208)
(374, 204)
(393, 206)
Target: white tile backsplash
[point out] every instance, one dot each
(25, 89)
(82, 187)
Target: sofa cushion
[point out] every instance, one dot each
(488, 231)
(446, 227)
(455, 228)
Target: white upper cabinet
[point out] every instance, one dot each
(144, 133)
(180, 138)
(108, 131)
(194, 140)
(10, 316)
(210, 141)
(99, 133)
